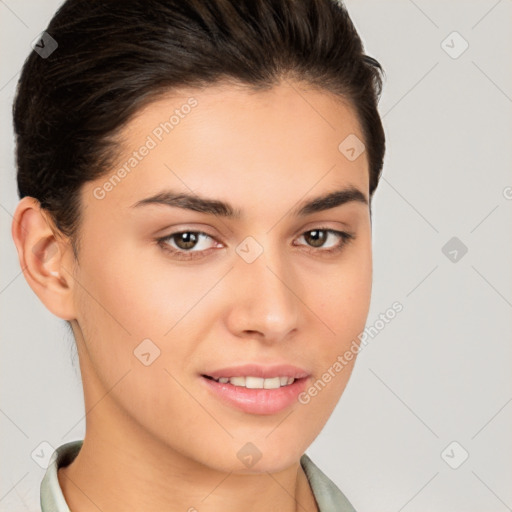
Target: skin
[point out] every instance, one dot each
(156, 438)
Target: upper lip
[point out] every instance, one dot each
(258, 370)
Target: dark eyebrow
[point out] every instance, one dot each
(223, 209)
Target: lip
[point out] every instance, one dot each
(258, 401)
(257, 370)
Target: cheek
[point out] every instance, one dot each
(136, 295)
(116, 310)
(343, 306)
(344, 301)
(125, 316)
(135, 311)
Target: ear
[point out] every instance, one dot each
(46, 257)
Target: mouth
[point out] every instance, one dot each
(256, 389)
(251, 382)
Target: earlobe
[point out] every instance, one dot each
(45, 257)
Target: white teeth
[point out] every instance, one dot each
(253, 382)
(237, 381)
(257, 382)
(273, 383)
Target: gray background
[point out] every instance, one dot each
(441, 370)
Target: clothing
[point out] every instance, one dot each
(328, 497)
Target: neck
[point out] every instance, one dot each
(120, 468)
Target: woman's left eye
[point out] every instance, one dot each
(320, 235)
(185, 241)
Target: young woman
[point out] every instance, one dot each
(196, 180)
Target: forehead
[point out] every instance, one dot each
(222, 109)
(228, 139)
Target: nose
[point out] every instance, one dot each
(265, 300)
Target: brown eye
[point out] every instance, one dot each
(182, 243)
(317, 237)
(185, 240)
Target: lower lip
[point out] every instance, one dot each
(257, 401)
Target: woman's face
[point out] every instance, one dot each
(155, 313)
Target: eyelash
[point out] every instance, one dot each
(182, 254)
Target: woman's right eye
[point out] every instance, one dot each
(184, 242)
